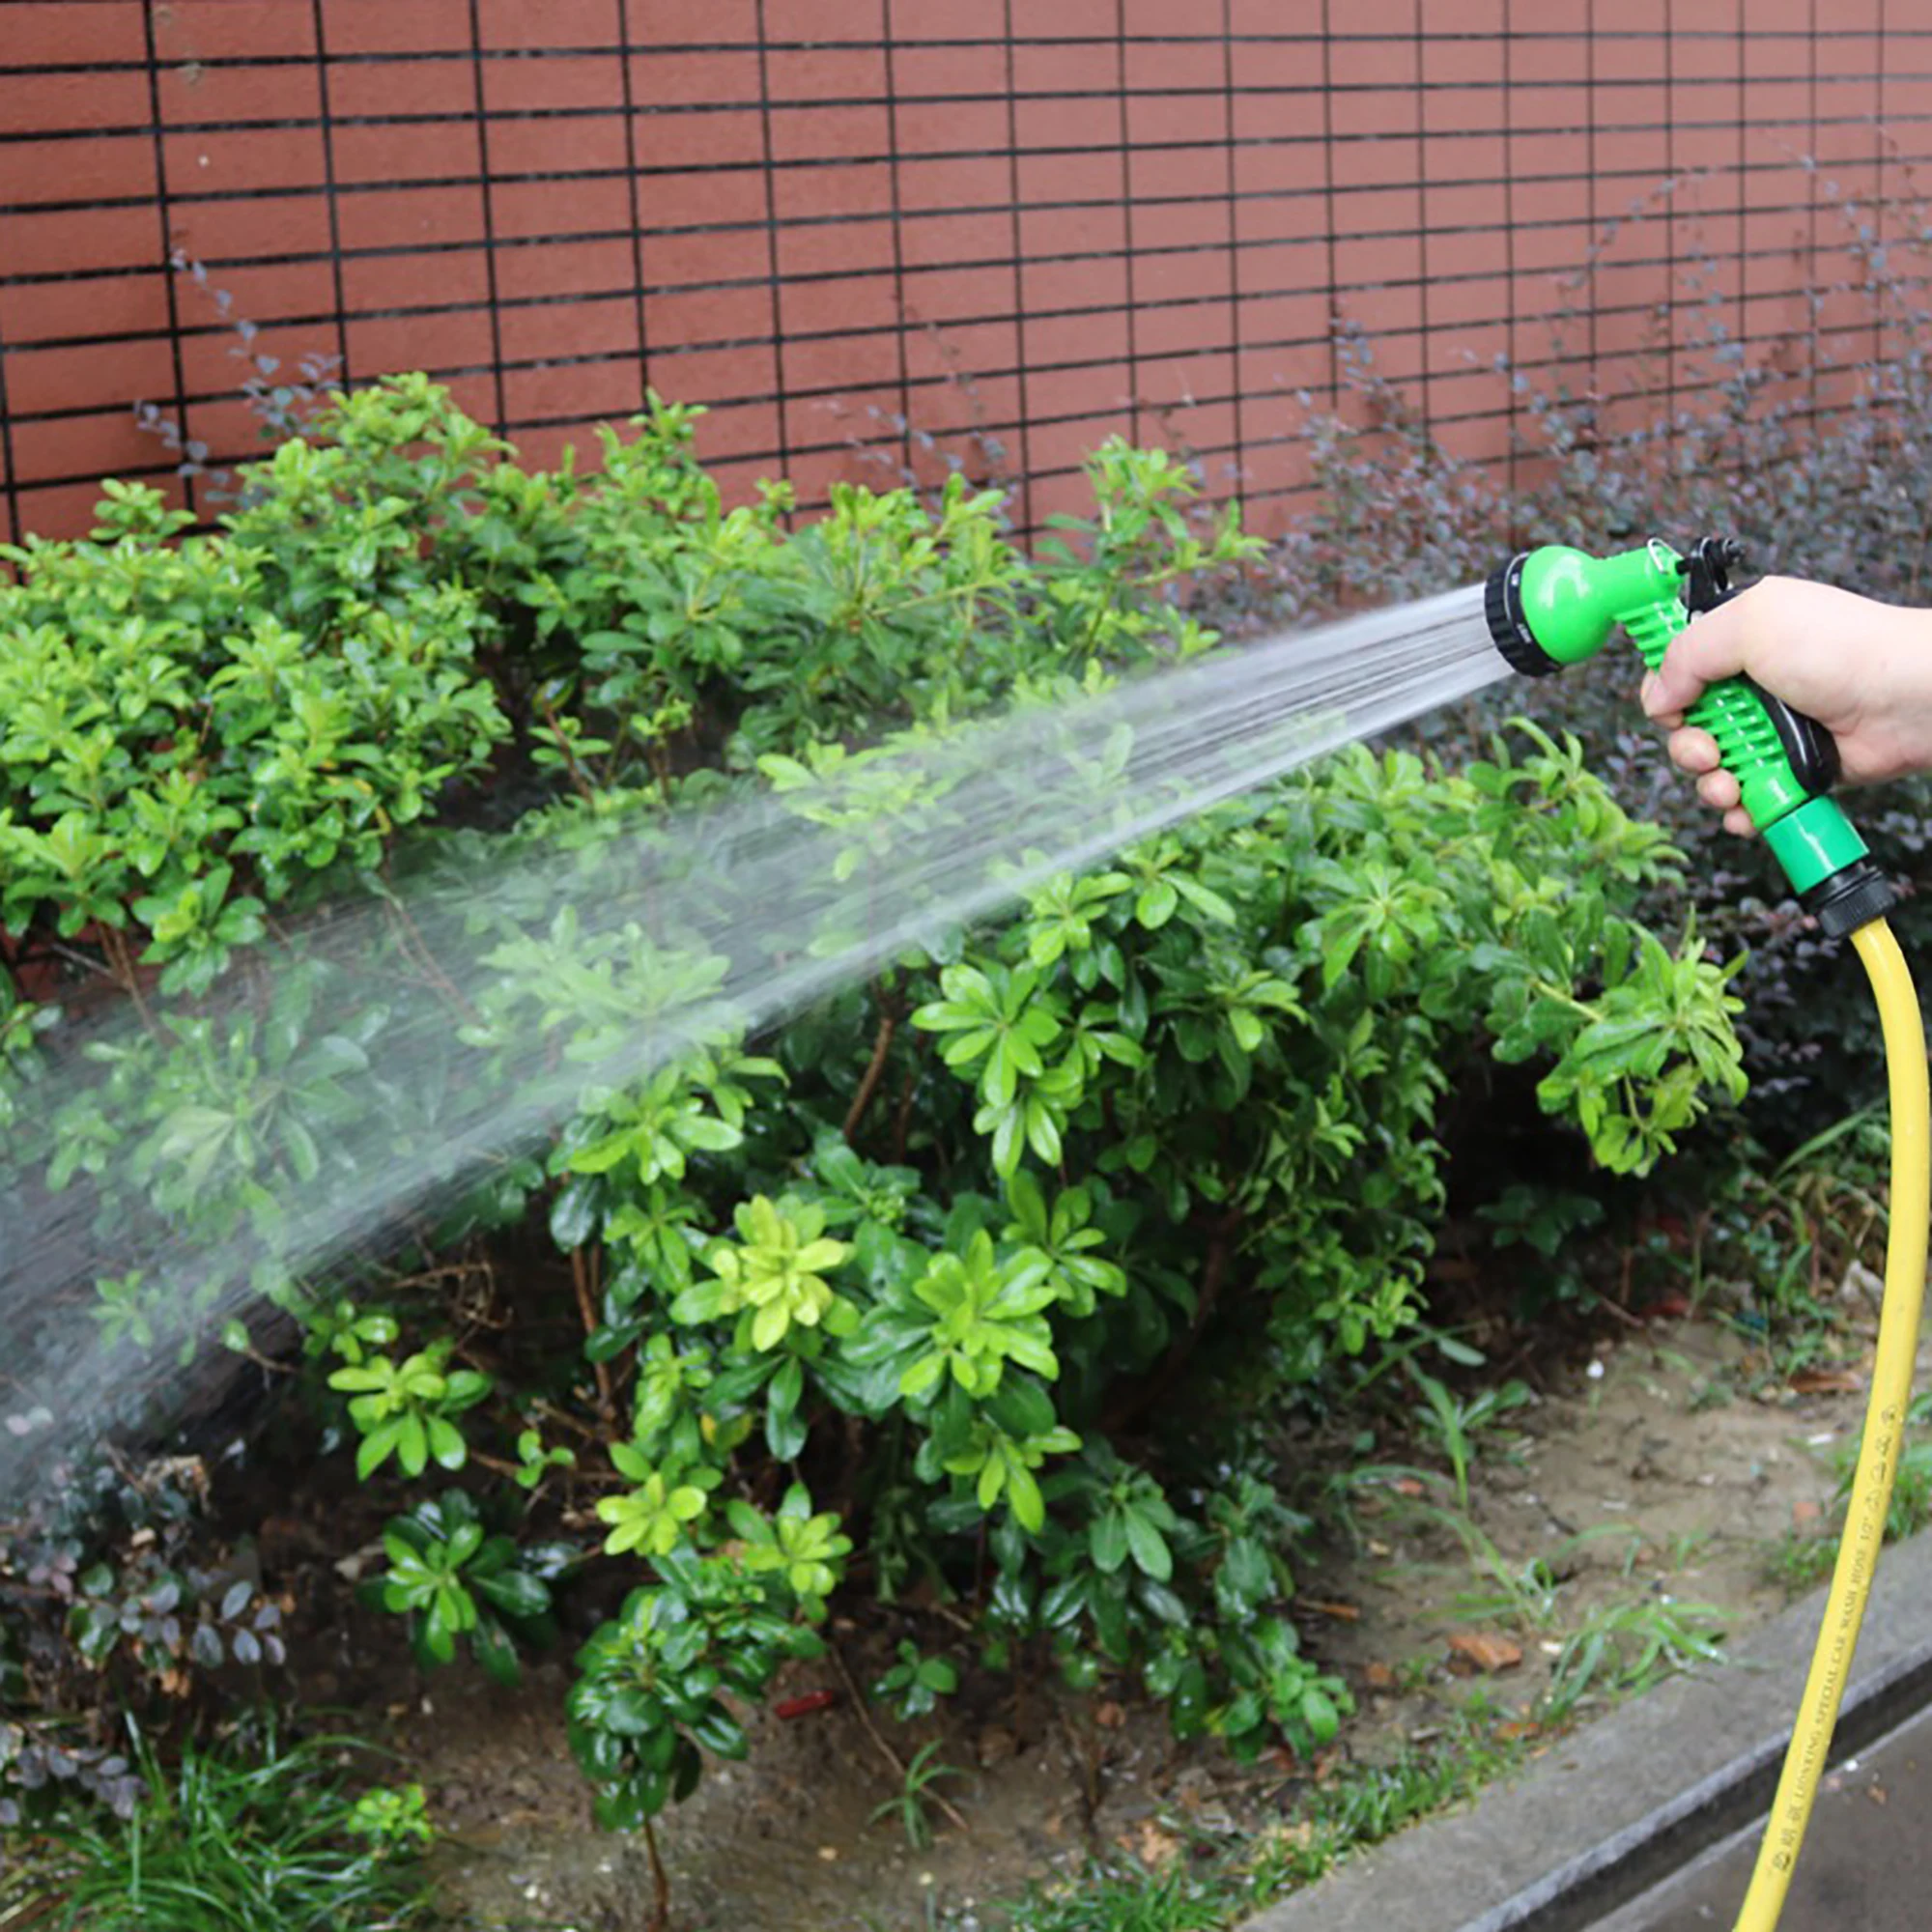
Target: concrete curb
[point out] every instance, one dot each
(1636, 1796)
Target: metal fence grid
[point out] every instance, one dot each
(884, 237)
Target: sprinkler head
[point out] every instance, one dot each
(1555, 606)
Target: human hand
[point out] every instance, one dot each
(1861, 669)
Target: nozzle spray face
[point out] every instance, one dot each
(1502, 605)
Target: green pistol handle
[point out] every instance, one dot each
(1780, 757)
(1784, 762)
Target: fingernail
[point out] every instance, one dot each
(1651, 692)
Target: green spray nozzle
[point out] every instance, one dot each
(1556, 606)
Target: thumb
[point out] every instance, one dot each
(1711, 648)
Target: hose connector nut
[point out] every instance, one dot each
(1849, 899)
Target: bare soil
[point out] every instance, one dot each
(1662, 1466)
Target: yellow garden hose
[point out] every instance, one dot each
(1911, 1207)
(1555, 606)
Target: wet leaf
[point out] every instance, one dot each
(1485, 1650)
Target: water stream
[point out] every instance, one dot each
(633, 947)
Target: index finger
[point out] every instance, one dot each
(1711, 648)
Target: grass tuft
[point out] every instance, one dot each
(252, 1835)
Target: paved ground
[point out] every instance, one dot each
(1646, 1820)
(1867, 1864)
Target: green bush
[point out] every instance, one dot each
(908, 1290)
(1744, 449)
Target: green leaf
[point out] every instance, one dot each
(1156, 904)
(1107, 1541)
(784, 1428)
(495, 1651)
(377, 1447)
(1320, 1715)
(437, 1640)
(1150, 1552)
(722, 1735)
(1203, 899)
(446, 1443)
(516, 1594)
(1028, 1506)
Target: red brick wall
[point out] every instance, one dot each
(1025, 223)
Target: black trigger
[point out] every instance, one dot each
(1813, 750)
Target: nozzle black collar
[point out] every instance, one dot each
(1851, 897)
(1502, 605)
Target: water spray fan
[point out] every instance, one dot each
(1554, 607)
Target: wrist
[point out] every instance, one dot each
(1897, 698)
